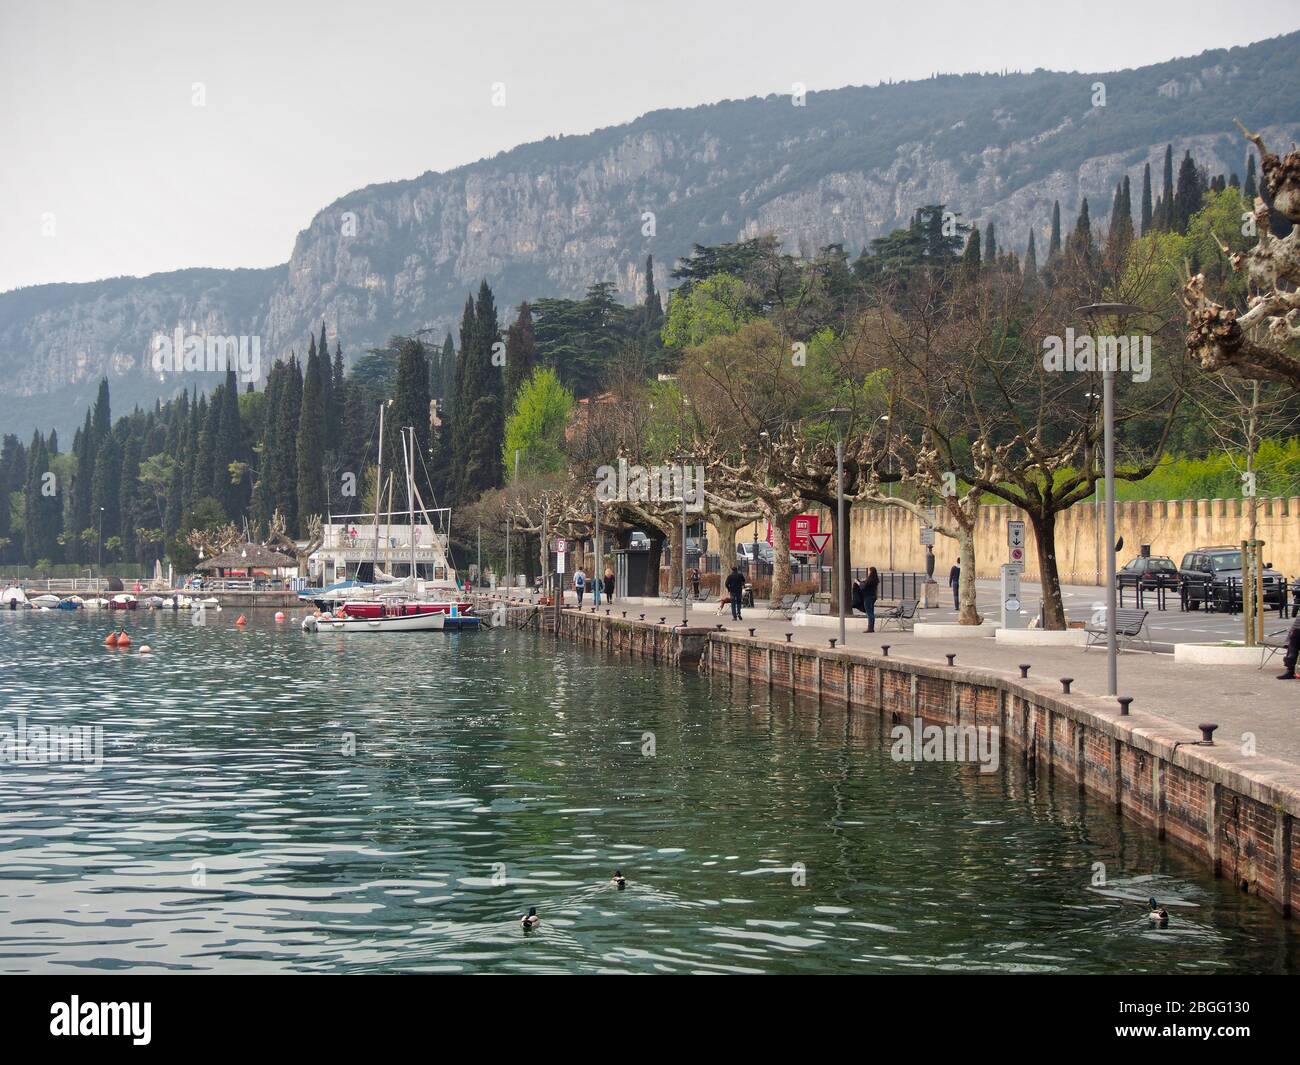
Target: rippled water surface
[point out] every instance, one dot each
(271, 801)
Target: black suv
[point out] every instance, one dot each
(1212, 575)
(1149, 572)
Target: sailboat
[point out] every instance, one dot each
(427, 598)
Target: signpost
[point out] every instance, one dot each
(1012, 618)
(819, 540)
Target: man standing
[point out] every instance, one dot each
(735, 588)
(954, 582)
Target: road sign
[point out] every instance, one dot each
(927, 536)
(1017, 555)
(819, 541)
(1016, 542)
(561, 546)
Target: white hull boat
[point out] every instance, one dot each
(422, 622)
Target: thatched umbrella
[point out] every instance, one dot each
(249, 557)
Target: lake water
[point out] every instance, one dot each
(271, 801)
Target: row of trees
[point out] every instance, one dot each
(926, 356)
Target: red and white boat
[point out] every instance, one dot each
(379, 617)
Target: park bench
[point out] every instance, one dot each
(1130, 625)
(902, 615)
(799, 606)
(1273, 643)
(781, 608)
(676, 596)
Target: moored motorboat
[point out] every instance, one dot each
(123, 601)
(389, 617)
(48, 599)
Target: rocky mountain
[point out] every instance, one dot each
(549, 218)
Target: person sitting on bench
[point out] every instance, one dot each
(1292, 651)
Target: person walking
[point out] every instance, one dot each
(695, 583)
(954, 582)
(579, 584)
(609, 585)
(870, 589)
(735, 588)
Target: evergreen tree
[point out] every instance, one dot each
(228, 448)
(1188, 194)
(521, 353)
(970, 259)
(42, 506)
(480, 402)
(1081, 239)
(129, 496)
(82, 482)
(284, 461)
(337, 377)
(326, 390)
(654, 308)
(411, 408)
(1054, 243)
(106, 495)
(1146, 199)
(1165, 212)
(990, 250)
(1031, 259)
(1251, 188)
(101, 420)
(311, 443)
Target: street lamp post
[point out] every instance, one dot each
(99, 540)
(1108, 445)
(841, 533)
(686, 602)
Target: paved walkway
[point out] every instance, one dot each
(1240, 699)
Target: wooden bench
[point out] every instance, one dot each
(1130, 626)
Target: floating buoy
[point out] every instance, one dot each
(279, 615)
(123, 640)
(144, 649)
(241, 620)
(110, 640)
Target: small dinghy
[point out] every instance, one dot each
(96, 604)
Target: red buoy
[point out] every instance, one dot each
(241, 620)
(123, 640)
(110, 640)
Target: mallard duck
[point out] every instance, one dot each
(619, 880)
(530, 919)
(1157, 914)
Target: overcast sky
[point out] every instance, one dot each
(109, 167)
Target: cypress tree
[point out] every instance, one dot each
(1165, 205)
(326, 391)
(1146, 199)
(521, 353)
(1251, 188)
(128, 495)
(1188, 194)
(990, 244)
(311, 444)
(228, 448)
(970, 258)
(1031, 259)
(480, 402)
(337, 377)
(82, 482)
(653, 305)
(411, 407)
(42, 506)
(1054, 243)
(106, 493)
(102, 419)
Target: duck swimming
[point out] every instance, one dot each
(530, 919)
(618, 879)
(1157, 914)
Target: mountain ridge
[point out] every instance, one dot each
(551, 216)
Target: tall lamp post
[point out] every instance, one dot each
(840, 416)
(1092, 311)
(682, 459)
(99, 540)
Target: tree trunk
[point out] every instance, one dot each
(781, 555)
(1048, 576)
(726, 546)
(966, 582)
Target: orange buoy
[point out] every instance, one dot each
(110, 640)
(123, 640)
(279, 615)
(241, 620)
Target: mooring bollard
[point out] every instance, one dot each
(751, 632)
(834, 641)
(721, 627)
(606, 613)
(643, 617)
(625, 613)
(1024, 670)
(787, 636)
(1124, 701)
(1065, 684)
(1207, 734)
(884, 648)
(662, 620)
(951, 659)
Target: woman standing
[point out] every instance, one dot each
(609, 585)
(870, 588)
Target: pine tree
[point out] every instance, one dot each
(228, 448)
(311, 443)
(106, 494)
(480, 402)
(990, 244)
(337, 377)
(1081, 239)
(41, 506)
(82, 481)
(1054, 243)
(326, 391)
(102, 420)
(284, 462)
(1031, 260)
(128, 496)
(653, 305)
(1165, 214)
(1146, 199)
(1251, 188)
(1188, 194)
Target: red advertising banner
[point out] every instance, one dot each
(802, 528)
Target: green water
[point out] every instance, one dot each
(271, 801)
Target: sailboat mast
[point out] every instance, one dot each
(379, 489)
(409, 455)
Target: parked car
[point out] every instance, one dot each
(1213, 575)
(750, 551)
(638, 541)
(1149, 572)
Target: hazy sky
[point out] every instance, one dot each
(109, 168)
